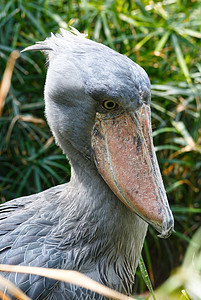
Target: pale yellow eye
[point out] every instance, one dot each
(109, 104)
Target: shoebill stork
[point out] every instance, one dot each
(97, 104)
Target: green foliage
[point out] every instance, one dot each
(164, 38)
(185, 282)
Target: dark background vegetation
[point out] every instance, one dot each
(164, 38)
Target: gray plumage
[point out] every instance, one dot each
(81, 225)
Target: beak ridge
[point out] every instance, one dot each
(125, 157)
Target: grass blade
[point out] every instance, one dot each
(145, 276)
(161, 43)
(6, 80)
(180, 58)
(192, 33)
(69, 276)
(12, 289)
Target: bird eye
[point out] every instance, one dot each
(109, 104)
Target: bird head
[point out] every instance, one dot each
(98, 103)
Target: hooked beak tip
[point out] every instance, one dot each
(167, 229)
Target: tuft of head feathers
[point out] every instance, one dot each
(65, 39)
(103, 71)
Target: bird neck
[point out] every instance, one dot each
(105, 225)
(106, 238)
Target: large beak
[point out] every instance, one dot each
(125, 157)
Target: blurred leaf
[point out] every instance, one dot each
(191, 33)
(180, 58)
(184, 132)
(161, 43)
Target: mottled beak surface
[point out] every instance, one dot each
(125, 157)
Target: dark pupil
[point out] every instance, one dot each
(110, 104)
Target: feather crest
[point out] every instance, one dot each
(63, 39)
